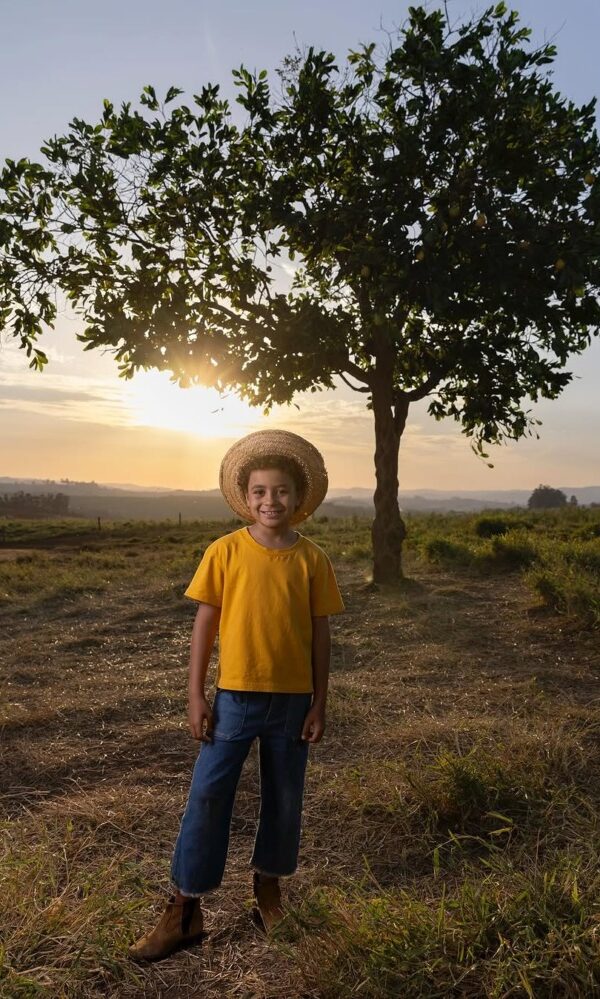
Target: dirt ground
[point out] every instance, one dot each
(93, 729)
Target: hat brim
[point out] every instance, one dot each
(274, 442)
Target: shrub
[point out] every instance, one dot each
(488, 527)
(442, 550)
(567, 590)
(550, 587)
(515, 551)
(469, 793)
(585, 555)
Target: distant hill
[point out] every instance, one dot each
(459, 500)
(130, 502)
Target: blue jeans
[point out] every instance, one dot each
(238, 718)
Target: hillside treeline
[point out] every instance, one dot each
(24, 504)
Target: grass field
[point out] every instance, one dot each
(451, 833)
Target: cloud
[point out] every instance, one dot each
(68, 397)
(60, 390)
(14, 358)
(44, 394)
(331, 421)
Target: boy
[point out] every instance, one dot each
(268, 590)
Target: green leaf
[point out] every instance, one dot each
(148, 98)
(172, 93)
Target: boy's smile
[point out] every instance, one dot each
(273, 499)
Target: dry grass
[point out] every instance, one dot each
(450, 842)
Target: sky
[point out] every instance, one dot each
(77, 419)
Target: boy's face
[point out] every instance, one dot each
(272, 497)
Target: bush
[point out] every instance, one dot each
(585, 555)
(549, 585)
(568, 590)
(476, 792)
(516, 551)
(488, 527)
(590, 531)
(442, 550)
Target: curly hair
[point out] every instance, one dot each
(283, 464)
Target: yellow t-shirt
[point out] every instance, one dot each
(268, 597)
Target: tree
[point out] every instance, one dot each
(22, 504)
(438, 202)
(546, 498)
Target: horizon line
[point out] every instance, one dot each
(410, 489)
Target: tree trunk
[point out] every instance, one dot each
(388, 531)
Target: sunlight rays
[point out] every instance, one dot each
(154, 400)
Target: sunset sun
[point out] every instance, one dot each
(155, 401)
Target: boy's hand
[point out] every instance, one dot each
(199, 715)
(314, 724)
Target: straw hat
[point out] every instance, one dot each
(268, 443)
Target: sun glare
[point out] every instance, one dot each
(155, 401)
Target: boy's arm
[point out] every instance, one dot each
(314, 723)
(204, 633)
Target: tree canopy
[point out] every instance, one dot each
(420, 222)
(546, 497)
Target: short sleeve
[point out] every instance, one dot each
(207, 582)
(325, 597)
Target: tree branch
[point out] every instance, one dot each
(356, 388)
(359, 373)
(430, 383)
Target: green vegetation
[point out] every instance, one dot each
(22, 504)
(559, 550)
(75, 560)
(60, 559)
(509, 933)
(545, 497)
(73, 926)
(86, 531)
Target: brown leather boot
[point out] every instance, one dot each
(269, 910)
(180, 924)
